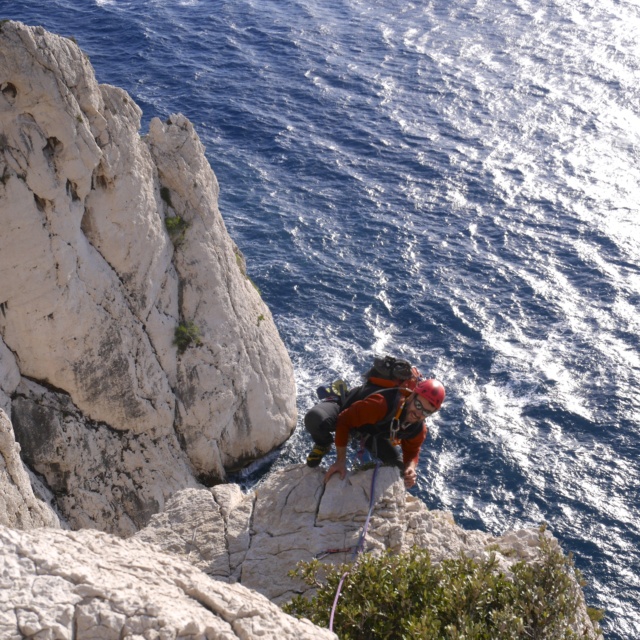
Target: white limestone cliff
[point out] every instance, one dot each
(92, 287)
(85, 585)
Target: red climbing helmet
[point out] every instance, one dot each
(431, 390)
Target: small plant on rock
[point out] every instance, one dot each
(185, 335)
(177, 227)
(242, 265)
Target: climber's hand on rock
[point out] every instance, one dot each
(409, 477)
(337, 467)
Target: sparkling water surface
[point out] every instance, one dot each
(452, 181)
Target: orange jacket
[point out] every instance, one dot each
(369, 411)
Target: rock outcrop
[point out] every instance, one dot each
(93, 286)
(257, 538)
(87, 584)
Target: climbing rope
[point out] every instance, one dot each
(360, 546)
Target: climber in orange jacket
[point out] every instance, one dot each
(385, 418)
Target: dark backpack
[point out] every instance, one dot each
(387, 372)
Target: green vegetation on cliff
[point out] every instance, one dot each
(409, 597)
(185, 335)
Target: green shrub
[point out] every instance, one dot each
(255, 286)
(240, 261)
(176, 224)
(185, 335)
(595, 615)
(177, 227)
(408, 597)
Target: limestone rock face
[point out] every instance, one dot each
(257, 538)
(101, 476)
(19, 507)
(93, 287)
(236, 376)
(87, 584)
(211, 528)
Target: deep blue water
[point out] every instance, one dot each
(454, 181)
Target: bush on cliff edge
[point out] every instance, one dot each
(408, 597)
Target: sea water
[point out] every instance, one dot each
(452, 181)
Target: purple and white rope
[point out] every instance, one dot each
(360, 547)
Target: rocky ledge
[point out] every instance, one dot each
(66, 585)
(189, 573)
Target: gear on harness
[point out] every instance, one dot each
(395, 423)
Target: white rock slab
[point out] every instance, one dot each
(83, 585)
